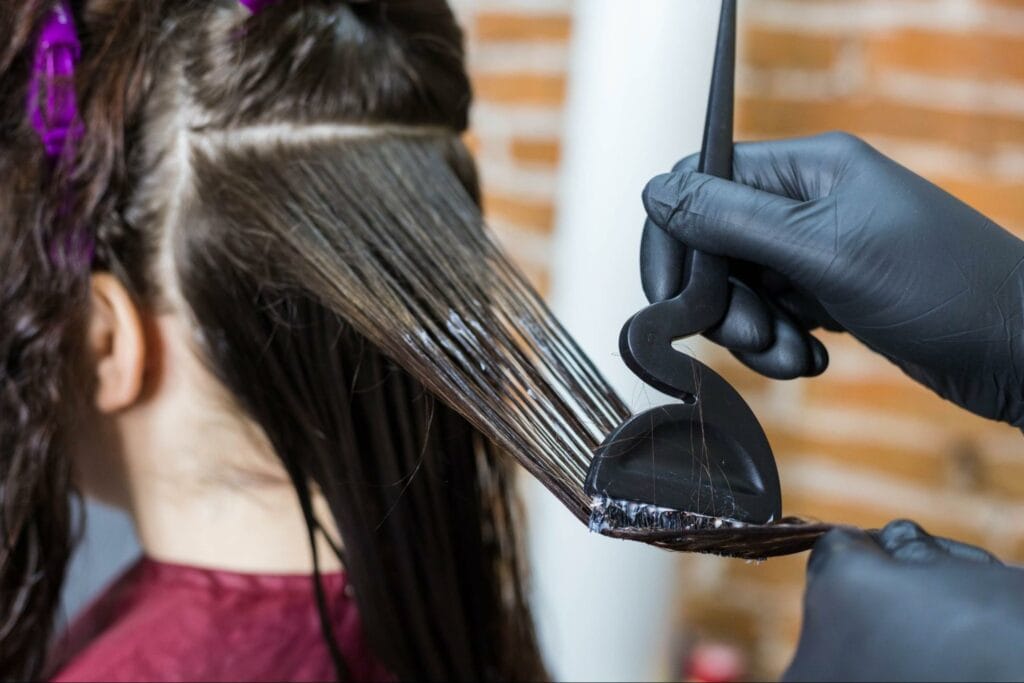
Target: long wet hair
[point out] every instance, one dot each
(294, 182)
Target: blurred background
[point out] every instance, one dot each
(578, 103)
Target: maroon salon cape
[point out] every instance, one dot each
(169, 622)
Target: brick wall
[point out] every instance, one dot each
(938, 85)
(518, 54)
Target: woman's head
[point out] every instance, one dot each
(210, 87)
(287, 240)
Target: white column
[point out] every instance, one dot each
(639, 79)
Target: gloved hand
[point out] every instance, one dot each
(903, 605)
(826, 231)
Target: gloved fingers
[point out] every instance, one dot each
(798, 168)
(662, 259)
(836, 549)
(806, 310)
(776, 288)
(736, 221)
(793, 352)
(748, 323)
(906, 541)
(820, 356)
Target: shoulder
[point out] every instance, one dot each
(187, 624)
(153, 638)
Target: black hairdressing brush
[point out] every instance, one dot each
(703, 463)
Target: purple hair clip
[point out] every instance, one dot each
(257, 6)
(52, 107)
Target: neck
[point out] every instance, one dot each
(203, 483)
(254, 526)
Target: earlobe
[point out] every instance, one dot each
(117, 343)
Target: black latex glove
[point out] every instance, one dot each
(826, 231)
(903, 605)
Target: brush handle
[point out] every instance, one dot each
(646, 340)
(716, 148)
(707, 273)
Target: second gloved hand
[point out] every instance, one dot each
(902, 605)
(828, 232)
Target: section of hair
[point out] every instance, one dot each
(40, 314)
(383, 232)
(41, 327)
(423, 502)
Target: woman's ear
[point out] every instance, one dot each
(117, 344)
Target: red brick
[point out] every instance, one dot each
(947, 53)
(514, 27)
(769, 48)
(520, 88)
(900, 397)
(531, 215)
(921, 466)
(1000, 476)
(782, 117)
(535, 151)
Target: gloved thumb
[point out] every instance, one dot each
(795, 238)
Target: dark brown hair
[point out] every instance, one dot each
(295, 183)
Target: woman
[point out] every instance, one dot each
(232, 287)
